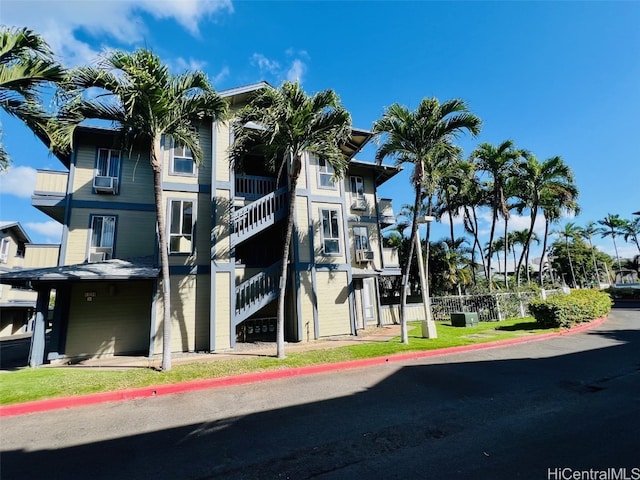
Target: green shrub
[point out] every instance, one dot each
(568, 310)
(624, 293)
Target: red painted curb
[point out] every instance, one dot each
(170, 389)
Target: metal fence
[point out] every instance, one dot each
(489, 307)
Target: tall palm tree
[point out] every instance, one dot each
(612, 226)
(499, 163)
(550, 177)
(291, 123)
(552, 206)
(26, 64)
(632, 230)
(146, 102)
(569, 231)
(518, 237)
(451, 182)
(587, 232)
(416, 138)
(471, 197)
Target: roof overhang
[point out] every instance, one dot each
(383, 172)
(109, 270)
(17, 230)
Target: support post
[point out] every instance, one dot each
(36, 350)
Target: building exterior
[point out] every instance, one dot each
(17, 303)
(225, 234)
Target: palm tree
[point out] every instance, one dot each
(632, 230)
(499, 162)
(611, 226)
(551, 177)
(451, 182)
(26, 64)
(519, 237)
(291, 123)
(416, 138)
(146, 102)
(472, 197)
(587, 232)
(570, 231)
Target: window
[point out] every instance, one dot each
(4, 250)
(107, 171)
(325, 174)
(182, 162)
(357, 193)
(181, 227)
(103, 231)
(330, 232)
(361, 238)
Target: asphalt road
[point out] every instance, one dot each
(525, 411)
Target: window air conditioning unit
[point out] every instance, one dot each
(364, 255)
(358, 204)
(105, 184)
(100, 255)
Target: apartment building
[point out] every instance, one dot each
(225, 231)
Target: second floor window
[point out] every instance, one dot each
(326, 174)
(103, 231)
(330, 232)
(4, 250)
(361, 238)
(182, 162)
(181, 226)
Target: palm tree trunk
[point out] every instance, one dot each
(156, 165)
(525, 247)
(404, 336)
(285, 256)
(490, 253)
(613, 237)
(506, 252)
(477, 241)
(595, 264)
(544, 250)
(573, 276)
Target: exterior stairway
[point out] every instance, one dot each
(257, 292)
(258, 216)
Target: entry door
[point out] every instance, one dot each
(368, 297)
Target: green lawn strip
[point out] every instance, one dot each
(36, 384)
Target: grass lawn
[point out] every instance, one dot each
(40, 383)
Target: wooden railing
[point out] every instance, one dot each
(253, 187)
(257, 292)
(259, 215)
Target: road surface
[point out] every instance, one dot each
(538, 410)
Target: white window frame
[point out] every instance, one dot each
(103, 246)
(360, 232)
(183, 154)
(326, 174)
(357, 197)
(4, 250)
(335, 235)
(181, 232)
(113, 165)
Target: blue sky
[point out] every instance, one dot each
(558, 78)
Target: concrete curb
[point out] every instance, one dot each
(195, 385)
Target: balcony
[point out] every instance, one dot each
(387, 217)
(50, 193)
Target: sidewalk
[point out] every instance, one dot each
(244, 350)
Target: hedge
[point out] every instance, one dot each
(568, 310)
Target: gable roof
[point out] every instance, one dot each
(17, 231)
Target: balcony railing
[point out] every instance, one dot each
(253, 187)
(49, 182)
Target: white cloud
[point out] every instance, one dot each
(51, 229)
(18, 181)
(222, 74)
(265, 64)
(60, 21)
(181, 64)
(296, 71)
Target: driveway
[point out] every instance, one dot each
(524, 411)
